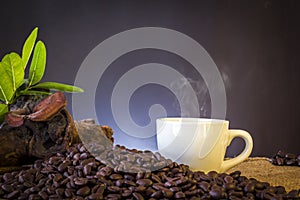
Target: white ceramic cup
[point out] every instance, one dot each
(200, 143)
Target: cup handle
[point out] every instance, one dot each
(246, 152)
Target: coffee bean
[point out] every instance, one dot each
(140, 189)
(204, 177)
(126, 193)
(57, 177)
(236, 194)
(181, 181)
(204, 185)
(54, 160)
(43, 195)
(36, 197)
(290, 156)
(69, 193)
(63, 166)
(144, 182)
(88, 161)
(119, 182)
(129, 183)
(235, 174)
(229, 186)
(60, 191)
(291, 161)
(76, 174)
(212, 174)
(157, 194)
(250, 187)
(95, 196)
(155, 178)
(167, 193)
(87, 169)
(179, 195)
(114, 189)
(116, 176)
(138, 196)
(228, 179)
(280, 161)
(170, 184)
(80, 181)
(7, 188)
(84, 191)
(13, 194)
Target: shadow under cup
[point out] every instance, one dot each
(200, 143)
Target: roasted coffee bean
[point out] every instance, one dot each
(236, 194)
(280, 161)
(204, 185)
(250, 187)
(126, 193)
(55, 160)
(157, 194)
(87, 169)
(235, 174)
(170, 184)
(7, 188)
(167, 193)
(57, 177)
(43, 195)
(69, 193)
(283, 158)
(129, 183)
(291, 161)
(290, 156)
(140, 189)
(144, 182)
(175, 189)
(229, 186)
(35, 197)
(84, 191)
(119, 182)
(179, 195)
(63, 166)
(80, 181)
(116, 176)
(95, 196)
(76, 174)
(114, 189)
(139, 175)
(60, 191)
(13, 194)
(138, 196)
(181, 181)
(228, 179)
(294, 194)
(155, 178)
(212, 174)
(204, 177)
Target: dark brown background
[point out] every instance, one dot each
(255, 44)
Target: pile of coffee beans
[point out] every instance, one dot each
(76, 174)
(283, 158)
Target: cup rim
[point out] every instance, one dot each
(191, 120)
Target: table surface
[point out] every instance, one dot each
(261, 169)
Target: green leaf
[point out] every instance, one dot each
(28, 47)
(58, 87)
(33, 92)
(38, 63)
(4, 85)
(12, 75)
(3, 111)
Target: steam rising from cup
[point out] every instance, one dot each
(188, 106)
